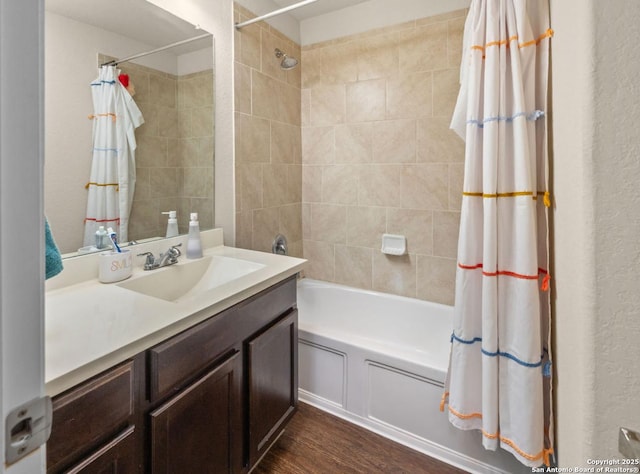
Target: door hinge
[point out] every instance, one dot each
(28, 427)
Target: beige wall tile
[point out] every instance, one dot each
(320, 256)
(198, 182)
(436, 279)
(446, 85)
(167, 122)
(266, 225)
(437, 142)
(163, 182)
(275, 181)
(354, 143)
(151, 152)
(250, 187)
(305, 106)
(425, 187)
(328, 223)
(318, 145)
(242, 84)
(424, 49)
(143, 184)
(174, 152)
(311, 183)
(291, 222)
(442, 17)
(295, 249)
(329, 65)
(244, 222)
(202, 121)
(195, 90)
(354, 266)
(409, 95)
(456, 181)
(289, 103)
(150, 114)
(204, 208)
(394, 141)
(366, 100)
(377, 56)
(328, 104)
(446, 226)
(340, 184)
(365, 226)
(380, 185)
(163, 90)
(294, 183)
(250, 49)
(415, 225)
(394, 274)
(306, 220)
(455, 30)
(266, 96)
(184, 123)
(286, 143)
(253, 139)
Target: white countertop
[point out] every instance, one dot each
(91, 326)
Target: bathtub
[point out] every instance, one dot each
(380, 361)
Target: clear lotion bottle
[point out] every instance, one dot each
(194, 246)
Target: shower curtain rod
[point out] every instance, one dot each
(115, 62)
(274, 13)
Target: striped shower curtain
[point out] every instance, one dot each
(499, 378)
(113, 172)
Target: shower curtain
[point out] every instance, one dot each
(113, 170)
(499, 378)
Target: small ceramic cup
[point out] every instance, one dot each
(115, 266)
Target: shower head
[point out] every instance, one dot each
(288, 62)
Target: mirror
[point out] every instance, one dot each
(174, 90)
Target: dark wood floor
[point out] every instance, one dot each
(316, 442)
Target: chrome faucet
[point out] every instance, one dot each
(164, 259)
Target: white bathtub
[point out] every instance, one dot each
(379, 361)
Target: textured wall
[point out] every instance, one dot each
(596, 99)
(268, 147)
(378, 157)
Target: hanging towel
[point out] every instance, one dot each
(53, 259)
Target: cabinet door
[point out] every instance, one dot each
(200, 430)
(273, 383)
(117, 457)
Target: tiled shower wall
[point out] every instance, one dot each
(378, 157)
(175, 149)
(268, 157)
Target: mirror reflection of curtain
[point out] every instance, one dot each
(113, 172)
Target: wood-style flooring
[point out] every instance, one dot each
(316, 442)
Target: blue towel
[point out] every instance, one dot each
(53, 259)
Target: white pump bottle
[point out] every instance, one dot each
(172, 224)
(194, 246)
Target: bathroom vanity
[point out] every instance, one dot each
(207, 392)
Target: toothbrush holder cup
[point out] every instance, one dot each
(115, 266)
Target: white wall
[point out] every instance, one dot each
(369, 15)
(596, 104)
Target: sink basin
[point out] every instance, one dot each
(187, 280)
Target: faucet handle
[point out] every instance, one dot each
(175, 251)
(149, 262)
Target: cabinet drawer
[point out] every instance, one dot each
(89, 414)
(176, 362)
(116, 457)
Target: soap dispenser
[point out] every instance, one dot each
(172, 224)
(101, 238)
(194, 246)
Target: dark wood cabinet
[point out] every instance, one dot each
(211, 399)
(116, 457)
(273, 384)
(199, 431)
(89, 416)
